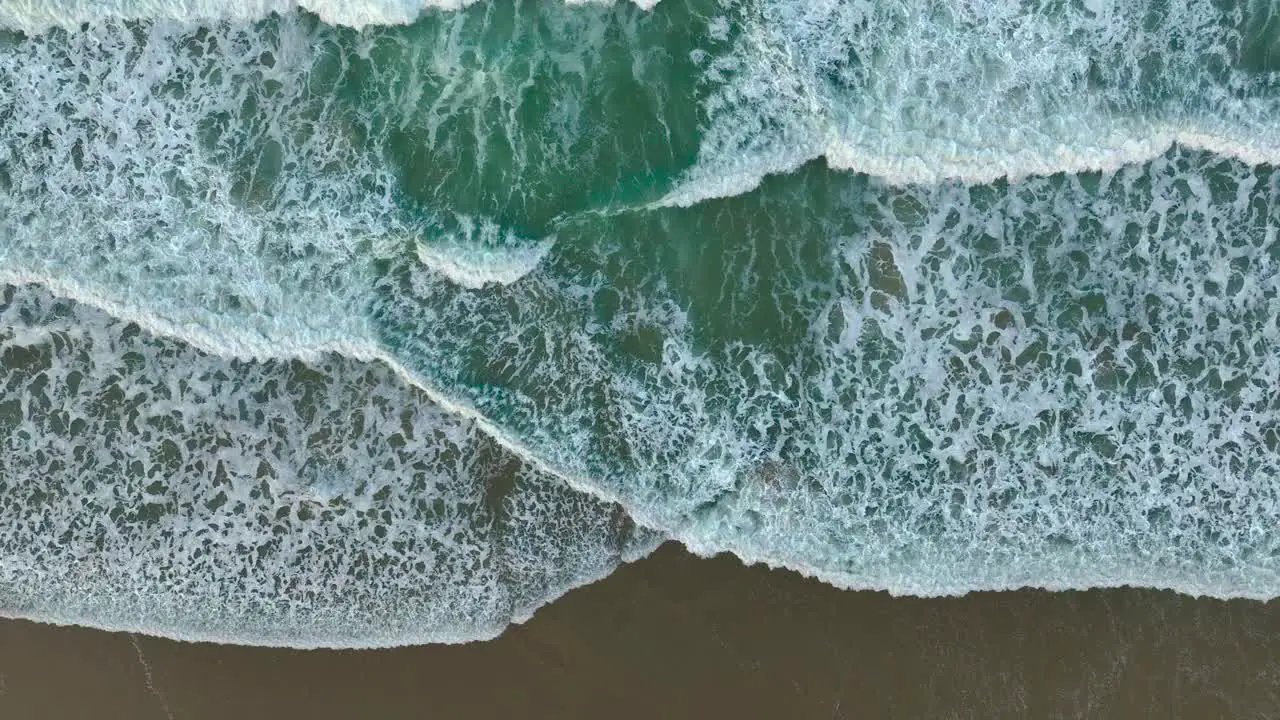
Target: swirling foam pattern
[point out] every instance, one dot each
(321, 329)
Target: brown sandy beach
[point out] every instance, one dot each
(675, 636)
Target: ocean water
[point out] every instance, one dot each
(358, 324)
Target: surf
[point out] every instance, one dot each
(784, 280)
(938, 91)
(39, 17)
(181, 511)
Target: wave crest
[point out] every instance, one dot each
(35, 16)
(934, 92)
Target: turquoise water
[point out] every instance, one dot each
(383, 324)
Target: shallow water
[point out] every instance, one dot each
(391, 334)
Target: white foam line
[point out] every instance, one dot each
(838, 580)
(369, 352)
(39, 16)
(1136, 578)
(1109, 157)
(364, 351)
(455, 266)
(904, 170)
(356, 643)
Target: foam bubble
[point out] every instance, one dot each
(1060, 382)
(480, 253)
(923, 387)
(153, 488)
(179, 174)
(34, 16)
(210, 185)
(934, 91)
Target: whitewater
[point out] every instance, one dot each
(355, 325)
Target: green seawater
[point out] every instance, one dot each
(455, 315)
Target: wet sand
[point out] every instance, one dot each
(675, 636)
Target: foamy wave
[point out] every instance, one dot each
(231, 342)
(924, 387)
(34, 16)
(158, 228)
(943, 163)
(328, 633)
(480, 253)
(933, 92)
(324, 504)
(964, 388)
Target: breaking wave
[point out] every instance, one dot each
(386, 327)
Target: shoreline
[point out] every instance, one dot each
(674, 636)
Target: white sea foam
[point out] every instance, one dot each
(932, 91)
(34, 16)
(160, 225)
(482, 253)
(1059, 383)
(231, 342)
(941, 162)
(1073, 512)
(922, 415)
(325, 504)
(120, 194)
